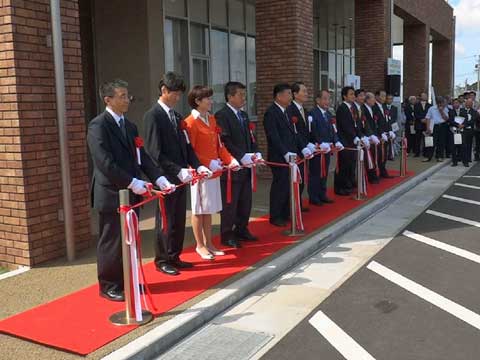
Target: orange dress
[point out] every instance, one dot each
(206, 195)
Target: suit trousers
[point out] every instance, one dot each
(237, 213)
(109, 252)
(477, 144)
(317, 185)
(372, 173)
(345, 178)
(169, 244)
(467, 144)
(439, 136)
(418, 142)
(280, 194)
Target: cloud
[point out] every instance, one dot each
(467, 13)
(459, 49)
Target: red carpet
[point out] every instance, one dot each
(79, 323)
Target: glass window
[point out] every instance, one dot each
(250, 16)
(340, 39)
(324, 81)
(237, 58)
(236, 15)
(252, 77)
(316, 43)
(200, 71)
(316, 71)
(324, 61)
(323, 31)
(331, 72)
(175, 8)
(340, 71)
(198, 10)
(218, 11)
(199, 35)
(220, 71)
(331, 38)
(347, 68)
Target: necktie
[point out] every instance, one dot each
(302, 111)
(173, 119)
(122, 127)
(240, 118)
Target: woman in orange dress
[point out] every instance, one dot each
(206, 194)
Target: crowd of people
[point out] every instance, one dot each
(215, 153)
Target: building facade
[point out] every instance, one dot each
(257, 42)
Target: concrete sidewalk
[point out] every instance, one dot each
(30, 289)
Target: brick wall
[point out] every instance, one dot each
(416, 59)
(30, 191)
(372, 42)
(442, 67)
(284, 50)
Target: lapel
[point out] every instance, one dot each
(284, 117)
(115, 129)
(180, 138)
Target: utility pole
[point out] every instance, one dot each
(477, 67)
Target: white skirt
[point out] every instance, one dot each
(206, 197)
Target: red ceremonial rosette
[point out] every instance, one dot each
(138, 142)
(183, 125)
(364, 119)
(387, 113)
(375, 117)
(294, 120)
(333, 121)
(251, 127)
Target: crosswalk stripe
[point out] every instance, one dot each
(454, 218)
(338, 338)
(428, 295)
(468, 201)
(472, 176)
(467, 186)
(441, 245)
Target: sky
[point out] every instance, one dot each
(467, 46)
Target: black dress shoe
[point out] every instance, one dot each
(327, 200)
(245, 235)
(374, 181)
(278, 222)
(342, 192)
(304, 209)
(113, 295)
(179, 264)
(232, 243)
(316, 203)
(167, 269)
(386, 176)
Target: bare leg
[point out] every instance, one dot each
(197, 226)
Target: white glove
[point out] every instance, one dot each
(325, 147)
(339, 146)
(234, 165)
(307, 154)
(287, 156)
(258, 157)
(246, 160)
(164, 184)
(311, 147)
(356, 140)
(374, 139)
(185, 175)
(384, 137)
(215, 165)
(392, 135)
(366, 141)
(138, 187)
(203, 170)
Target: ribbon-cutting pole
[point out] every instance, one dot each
(361, 184)
(295, 202)
(128, 317)
(403, 156)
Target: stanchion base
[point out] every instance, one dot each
(293, 233)
(361, 198)
(120, 318)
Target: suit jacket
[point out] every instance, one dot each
(409, 115)
(382, 123)
(362, 123)
(393, 113)
(167, 147)
(474, 118)
(420, 114)
(346, 125)
(372, 123)
(452, 114)
(302, 125)
(322, 129)
(280, 133)
(236, 137)
(115, 161)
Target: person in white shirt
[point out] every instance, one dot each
(437, 125)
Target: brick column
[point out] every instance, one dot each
(31, 226)
(415, 59)
(284, 50)
(442, 67)
(372, 42)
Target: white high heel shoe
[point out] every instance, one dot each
(216, 252)
(206, 256)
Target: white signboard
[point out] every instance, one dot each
(394, 67)
(352, 80)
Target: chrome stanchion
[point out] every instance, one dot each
(403, 160)
(127, 317)
(293, 206)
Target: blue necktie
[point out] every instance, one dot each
(121, 122)
(240, 118)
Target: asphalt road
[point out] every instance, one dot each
(418, 298)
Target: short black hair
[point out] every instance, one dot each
(320, 93)
(377, 93)
(359, 91)
(280, 88)
(172, 81)
(232, 87)
(345, 91)
(107, 89)
(296, 87)
(388, 94)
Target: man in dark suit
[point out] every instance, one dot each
(392, 110)
(385, 130)
(458, 152)
(420, 110)
(297, 110)
(471, 118)
(111, 141)
(375, 134)
(167, 144)
(283, 141)
(410, 122)
(348, 135)
(240, 142)
(324, 134)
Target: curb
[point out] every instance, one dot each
(163, 337)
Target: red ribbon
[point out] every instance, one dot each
(254, 178)
(337, 167)
(323, 166)
(229, 186)
(404, 150)
(251, 127)
(305, 173)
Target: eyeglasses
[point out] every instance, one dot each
(125, 97)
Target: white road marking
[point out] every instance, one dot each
(467, 186)
(454, 218)
(472, 176)
(468, 201)
(338, 338)
(441, 245)
(432, 297)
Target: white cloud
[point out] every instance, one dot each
(459, 49)
(467, 13)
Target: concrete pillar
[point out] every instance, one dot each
(416, 54)
(442, 67)
(372, 42)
